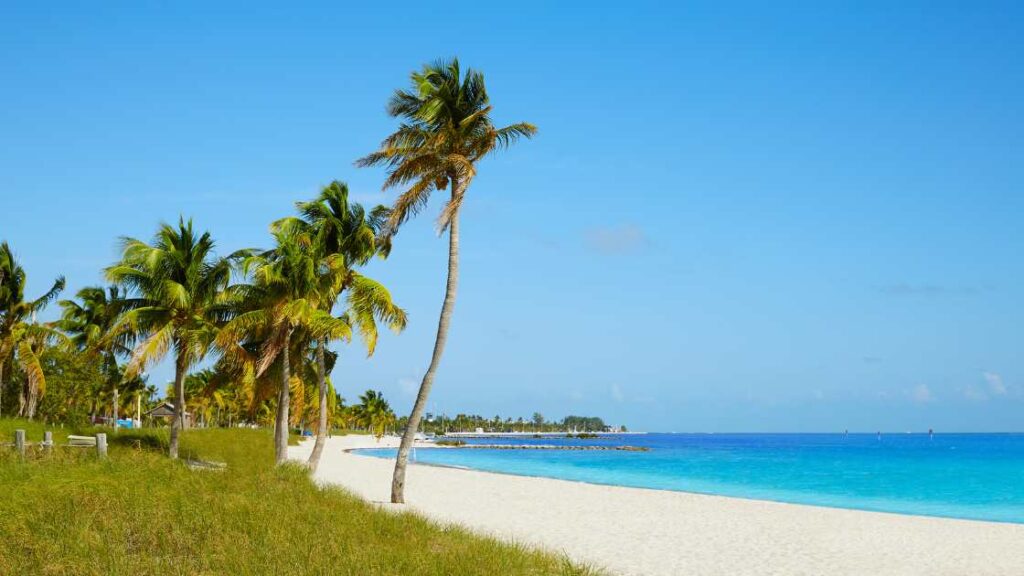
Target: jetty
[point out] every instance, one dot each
(535, 434)
(542, 447)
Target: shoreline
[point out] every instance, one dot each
(646, 531)
(355, 452)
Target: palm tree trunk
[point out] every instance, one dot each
(33, 398)
(398, 480)
(283, 400)
(178, 421)
(114, 401)
(321, 431)
(22, 399)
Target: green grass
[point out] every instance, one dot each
(140, 513)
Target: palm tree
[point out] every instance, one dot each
(90, 324)
(374, 413)
(345, 237)
(179, 284)
(446, 130)
(281, 309)
(20, 336)
(201, 388)
(32, 338)
(250, 396)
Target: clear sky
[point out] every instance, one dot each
(734, 217)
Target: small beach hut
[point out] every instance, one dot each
(164, 411)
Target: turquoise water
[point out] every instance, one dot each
(975, 476)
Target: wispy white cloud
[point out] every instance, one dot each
(409, 386)
(921, 394)
(975, 393)
(906, 289)
(617, 394)
(994, 387)
(616, 240)
(995, 383)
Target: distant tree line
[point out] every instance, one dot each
(442, 424)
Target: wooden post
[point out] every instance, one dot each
(19, 442)
(115, 409)
(101, 445)
(48, 441)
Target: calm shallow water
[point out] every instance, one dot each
(976, 476)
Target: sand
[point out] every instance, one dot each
(653, 532)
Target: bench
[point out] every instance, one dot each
(81, 440)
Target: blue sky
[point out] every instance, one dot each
(734, 217)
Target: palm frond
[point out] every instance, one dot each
(510, 134)
(33, 368)
(150, 350)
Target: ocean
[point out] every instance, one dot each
(971, 476)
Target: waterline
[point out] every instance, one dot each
(971, 476)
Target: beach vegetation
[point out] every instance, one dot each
(22, 338)
(137, 512)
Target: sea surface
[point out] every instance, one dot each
(972, 476)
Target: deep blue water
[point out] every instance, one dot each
(976, 476)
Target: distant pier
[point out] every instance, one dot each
(542, 447)
(534, 434)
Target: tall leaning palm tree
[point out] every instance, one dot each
(178, 282)
(19, 334)
(344, 236)
(446, 129)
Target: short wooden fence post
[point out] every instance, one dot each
(48, 441)
(19, 442)
(101, 445)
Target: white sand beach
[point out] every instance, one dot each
(632, 531)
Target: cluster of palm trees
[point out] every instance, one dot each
(267, 317)
(88, 323)
(214, 400)
(372, 413)
(22, 337)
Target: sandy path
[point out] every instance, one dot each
(652, 532)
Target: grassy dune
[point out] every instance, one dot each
(140, 513)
